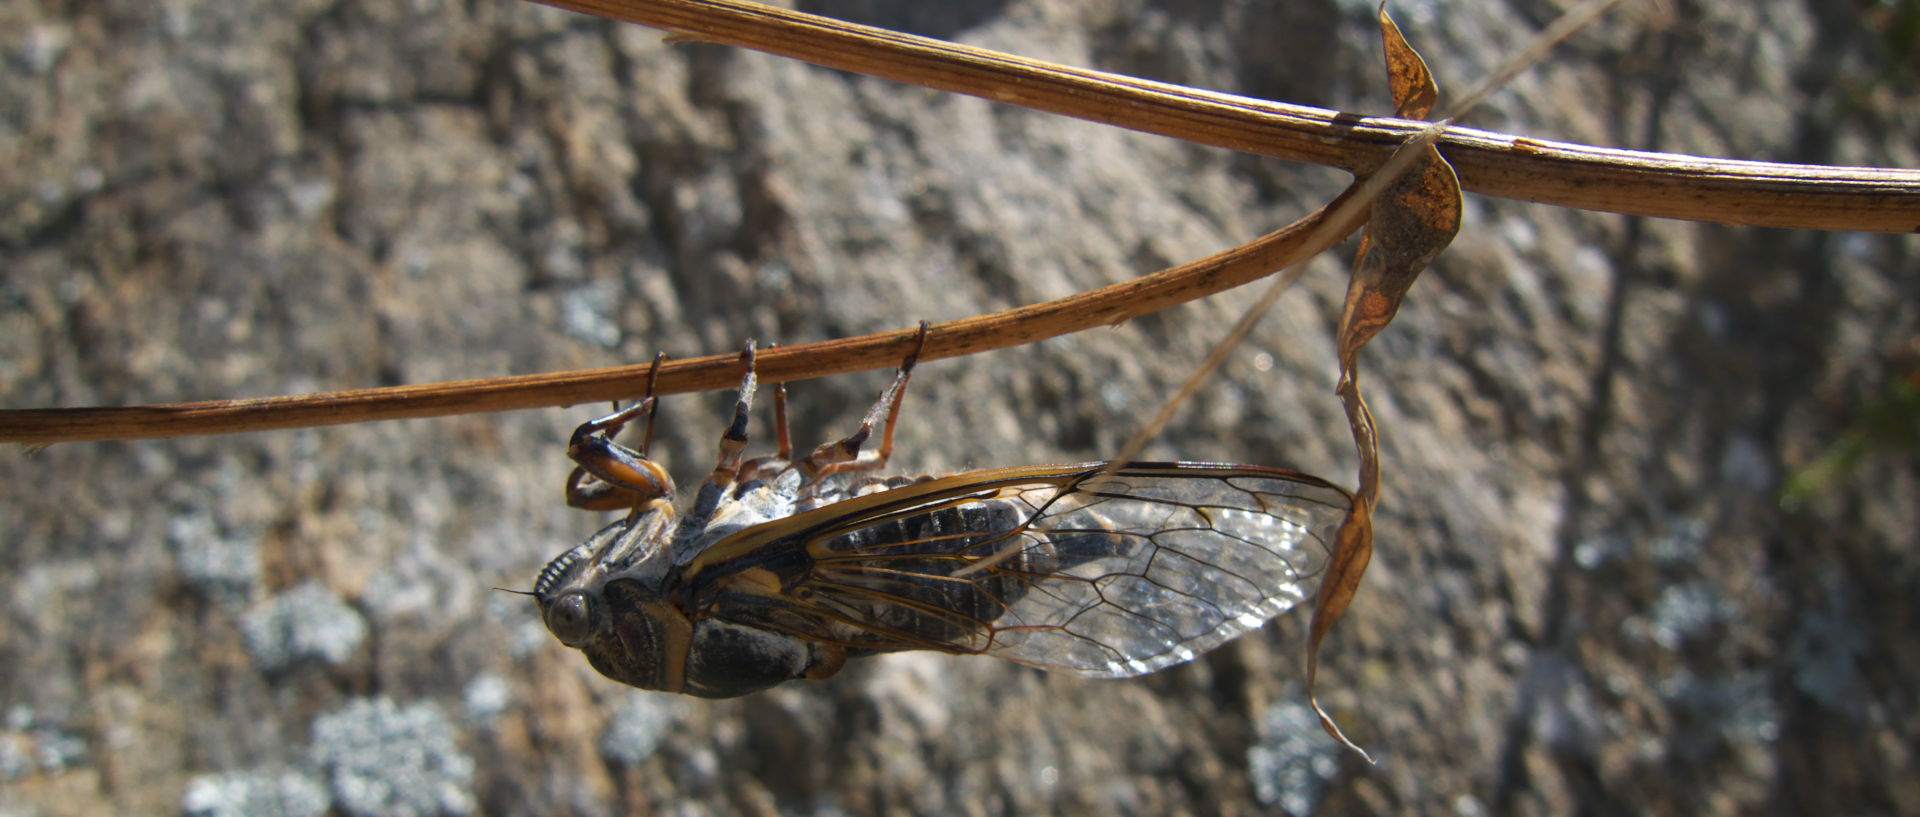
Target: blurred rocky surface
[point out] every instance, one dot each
(1588, 598)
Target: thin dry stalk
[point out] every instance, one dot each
(1652, 184)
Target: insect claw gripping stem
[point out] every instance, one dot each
(844, 456)
(620, 477)
(760, 468)
(733, 446)
(733, 441)
(611, 425)
(781, 433)
(653, 376)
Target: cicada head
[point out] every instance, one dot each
(604, 598)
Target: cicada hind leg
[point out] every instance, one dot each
(611, 476)
(844, 456)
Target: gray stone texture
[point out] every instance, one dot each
(1587, 599)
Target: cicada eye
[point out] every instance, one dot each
(570, 618)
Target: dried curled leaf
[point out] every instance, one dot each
(1411, 221)
(1414, 91)
(1410, 224)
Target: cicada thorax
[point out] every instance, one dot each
(653, 637)
(620, 600)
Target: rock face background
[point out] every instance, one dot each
(1588, 597)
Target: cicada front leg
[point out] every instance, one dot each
(844, 456)
(611, 476)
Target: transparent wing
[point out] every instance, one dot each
(1112, 576)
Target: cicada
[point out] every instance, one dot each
(784, 568)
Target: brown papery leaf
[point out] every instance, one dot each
(1414, 91)
(1410, 223)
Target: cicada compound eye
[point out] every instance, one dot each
(570, 618)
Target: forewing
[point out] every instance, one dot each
(1158, 564)
(1105, 576)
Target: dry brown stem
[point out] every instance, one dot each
(1663, 185)
(1640, 183)
(1108, 305)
